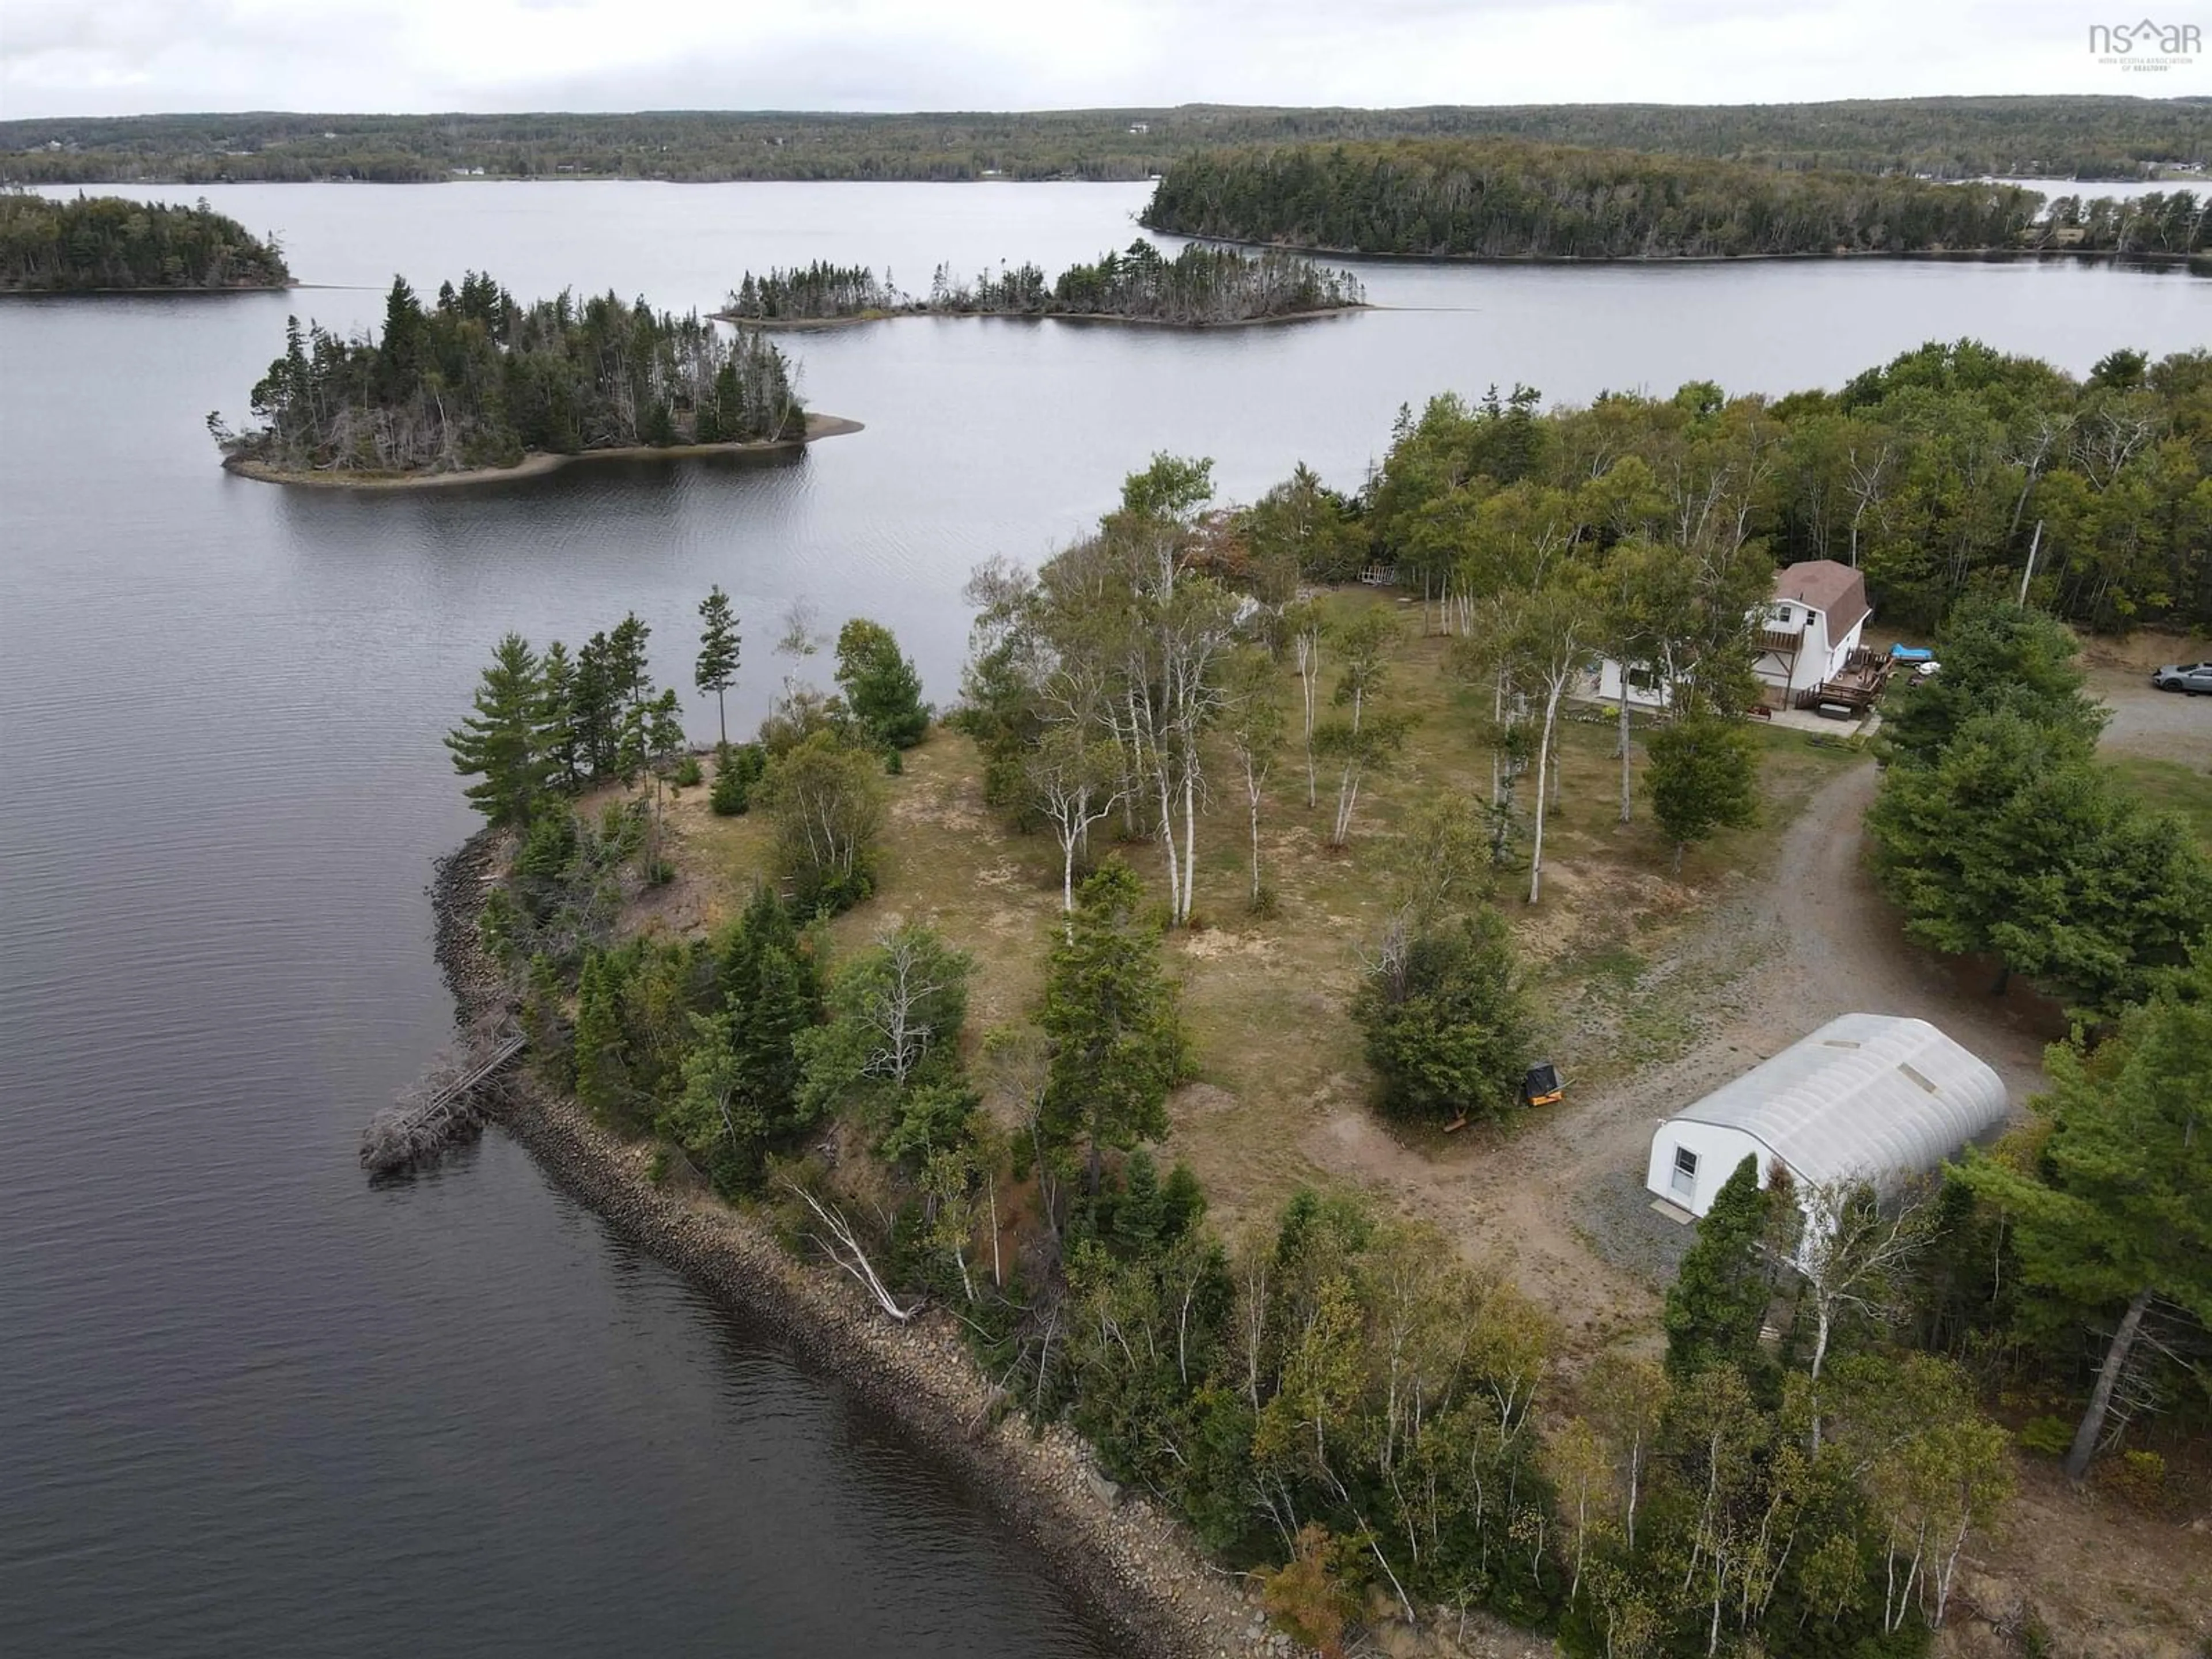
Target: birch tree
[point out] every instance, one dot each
(1307, 627)
(1552, 633)
(1853, 1256)
(1253, 728)
(1361, 737)
(1075, 782)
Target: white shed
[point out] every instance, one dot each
(1874, 1096)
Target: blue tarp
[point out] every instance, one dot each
(1911, 654)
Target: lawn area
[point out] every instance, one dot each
(1266, 997)
(2171, 785)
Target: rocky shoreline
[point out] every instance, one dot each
(1132, 1568)
(536, 464)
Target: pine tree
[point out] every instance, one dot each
(880, 685)
(602, 1079)
(1704, 776)
(771, 992)
(1997, 656)
(500, 744)
(557, 737)
(1110, 1014)
(1719, 1297)
(2118, 1210)
(717, 669)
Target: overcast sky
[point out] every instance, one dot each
(130, 56)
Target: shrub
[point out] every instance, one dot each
(735, 770)
(2048, 1436)
(2138, 1477)
(827, 800)
(1447, 1025)
(687, 773)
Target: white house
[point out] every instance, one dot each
(1804, 638)
(1868, 1097)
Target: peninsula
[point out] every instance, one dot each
(476, 385)
(1214, 1138)
(1199, 288)
(104, 245)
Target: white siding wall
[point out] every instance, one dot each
(1718, 1149)
(1606, 687)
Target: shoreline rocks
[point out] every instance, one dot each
(1130, 1566)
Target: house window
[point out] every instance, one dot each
(1786, 614)
(1686, 1172)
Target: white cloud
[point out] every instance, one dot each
(69, 56)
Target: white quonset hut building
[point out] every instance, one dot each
(1870, 1096)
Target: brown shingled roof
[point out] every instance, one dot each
(1835, 589)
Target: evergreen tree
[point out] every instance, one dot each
(1110, 1014)
(880, 685)
(771, 993)
(1704, 776)
(737, 769)
(1997, 657)
(1719, 1297)
(557, 736)
(626, 668)
(717, 668)
(1448, 1029)
(595, 708)
(602, 1078)
(2117, 1210)
(502, 743)
(2011, 841)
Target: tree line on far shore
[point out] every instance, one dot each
(105, 242)
(1498, 198)
(2038, 137)
(2156, 221)
(476, 379)
(1198, 285)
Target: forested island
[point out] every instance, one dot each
(2048, 138)
(477, 382)
(102, 243)
(1498, 199)
(1200, 287)
(1270, 842)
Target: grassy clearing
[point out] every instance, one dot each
(1280, 1071)
(2170, 786)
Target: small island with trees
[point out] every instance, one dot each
(478, 385)
(1490, 198)
(1199, 288)
(104, 245)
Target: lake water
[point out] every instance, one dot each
(248, 1404)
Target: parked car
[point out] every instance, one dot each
(2193, 677)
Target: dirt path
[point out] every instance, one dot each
(1564, 1202)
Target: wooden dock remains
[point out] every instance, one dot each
(444, 1105)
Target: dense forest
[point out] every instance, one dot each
(102, 242)
(1197, 287)
(2155, 222)
(1497, 199)
(2060, 137)
(1330, 1396)
(1934, 474)
(478, 380)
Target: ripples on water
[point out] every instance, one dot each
(248, 1404)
